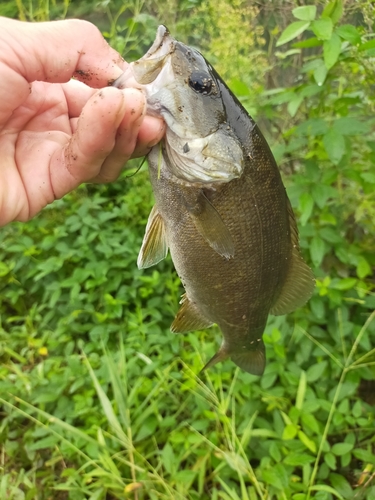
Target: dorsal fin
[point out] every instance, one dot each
(154, 246)
(189, 318)
(299, 283)
(209, 223)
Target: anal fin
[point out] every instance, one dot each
(154, 246)
(210, 225)
(189, 318)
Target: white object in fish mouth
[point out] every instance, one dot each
(199, 146)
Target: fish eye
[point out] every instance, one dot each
(200, 82)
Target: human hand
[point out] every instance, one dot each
(56, 133)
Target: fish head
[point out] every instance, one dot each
(181, 87)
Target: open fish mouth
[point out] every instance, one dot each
(180, 87)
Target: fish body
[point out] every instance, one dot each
(221, 207)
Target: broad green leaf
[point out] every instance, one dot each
(322, 28)
(341, 485)
(305, 13)
(330, 460)
(334, 144)
(333, 10)
(290, 432)
(298, 459)
(331, 50)
(169, 460)
(4, 269)
(349, 33)
(341, 448)
(292, 31)
(314, 372)
(345, 284)
(311, 422)
(277, 476)
(314, 126)
(367, 45)
(317, 250)
(294, 104)
(321, 193)
(364, 455)
(306, 205)
(320, 74)
(363, 268)
(348, 125)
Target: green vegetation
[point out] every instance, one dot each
(98, 399)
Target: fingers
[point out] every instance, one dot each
(105, 137)
(31, 50)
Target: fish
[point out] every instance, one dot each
(220, 205)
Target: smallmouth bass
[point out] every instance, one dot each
(221, 207)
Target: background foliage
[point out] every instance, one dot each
(99, 399)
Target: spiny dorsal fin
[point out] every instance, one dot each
(189, 318)
(154, 246)
(299, 283)
(210, 225)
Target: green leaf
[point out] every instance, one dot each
(311, 422)
(298, 459)
(305, 13)
(334, 144)
(169, 459)
(294, 104)
(330, 460)
(341, 448)
(345, 284)
(320, 74)
(364, 455)
(317, 250)
(341, 485)
(306, 44)
(321, 193)
(349, 33)
(290, 432)
(277, 477)
(314, 372)
(348, 125)
(4, 269)
(292, 31)
(309, 443)
(363, 268)
(322, 28)
(333, 10)
(331, 50)
(367, 45)
(328, 489)
(306, 205)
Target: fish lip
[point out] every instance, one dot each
(162, 34)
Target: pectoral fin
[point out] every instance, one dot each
(299, 284)
(189, 318)
(210, 225)
(154, 246)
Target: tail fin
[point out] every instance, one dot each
(252, 362)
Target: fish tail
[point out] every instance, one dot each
(253, 361)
